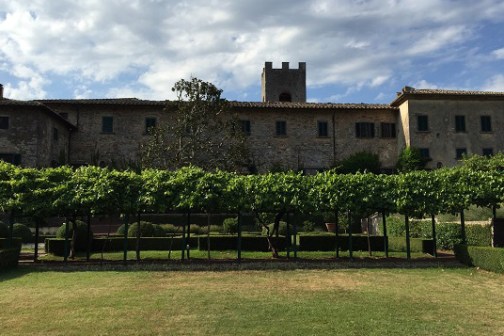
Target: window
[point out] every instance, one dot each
(422, 123)
(486, 124)
(460, 125)
(55, 134)
(388, 130)
(460, 153)
(424, 153)
(364, 130)
(245, 127)
(107, 124)
(281, 128)
(11, 158)
(487, 151)
(323, 130)
(4, 122)
(149, 123)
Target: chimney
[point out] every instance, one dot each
(1, 91)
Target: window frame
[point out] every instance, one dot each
(460, 153)
(4, 122)
(148, 126)
(460, 124)
(423, 123)
(105, 128)
(388, 130)
(322, 129)
(425, 153)
(245, 127)
(281, 128)
(364, 130)
(55, 134)
(487, 151)
(486, 124)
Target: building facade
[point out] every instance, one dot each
(282, 131)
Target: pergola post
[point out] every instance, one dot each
(385, 236)
(434, 239)
(408, 243)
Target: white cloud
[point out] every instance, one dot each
(423, 84)
(498, 53)
(496, 83)
(140, 48)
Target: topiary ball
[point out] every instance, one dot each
(230, 225)
(81, 231)
(159, 231)
(282, 229)
(4, 230)
(146, 229)
(22, 231)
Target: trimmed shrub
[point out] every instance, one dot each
(146, 229)
(213, 229)
(4, 243)
(22, 231)
(4, 230)
(308, 226)
(487, 258)
(327, 242)
(159, 231)
(170, 228)
(81, 230)
(9, 258)
(230, 225)
(194, 229)
(56, 246)
(282, 228)
(248, 243)
(480, 235)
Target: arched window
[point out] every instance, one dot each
(285, 97)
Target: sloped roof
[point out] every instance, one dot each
(408, 92)
(112, 101)
(294, 105)
(36, 104)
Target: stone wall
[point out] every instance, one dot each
(30, 135)
(442, 138)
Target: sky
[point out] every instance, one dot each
(360, 51)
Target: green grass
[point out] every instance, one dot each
(176, 255)
(298, 302)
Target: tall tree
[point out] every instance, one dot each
(203, 131)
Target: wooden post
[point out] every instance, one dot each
(184, 240)
(288, 235)
(294, 232)
(434, 239)
(188, 241)
(125, 248)
(462, 227)
(37, 235)
(385, 237)
(350, 247)
(208, 235)
(67, 232)
(139, 234)
(336, 232)
(408, 245)
(89, 241)
(239, 242)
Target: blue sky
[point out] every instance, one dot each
(356, 51)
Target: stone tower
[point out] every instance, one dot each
(288, 85)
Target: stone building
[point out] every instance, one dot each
(283, 130)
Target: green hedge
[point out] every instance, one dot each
(447, 234)
(248, 243)
(56, 246)
(9, 258)
(327, 242)
(360, 243)
(487, 258)
(4, 243)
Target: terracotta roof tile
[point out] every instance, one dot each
(408, 91)
(293, 105)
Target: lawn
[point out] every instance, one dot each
(435, 301)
